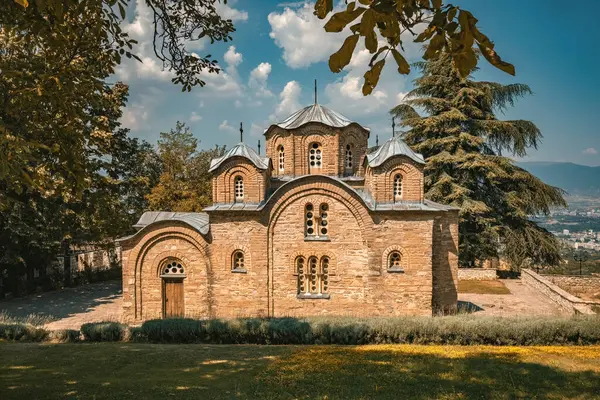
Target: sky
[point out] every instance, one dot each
(280, 48)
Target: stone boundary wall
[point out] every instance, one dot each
(476, 274)
(576, 284)
(564, 300)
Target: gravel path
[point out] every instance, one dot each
(71, 307)
(522, 300)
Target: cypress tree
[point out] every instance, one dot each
(452, 122)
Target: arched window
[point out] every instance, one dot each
(348, 161)
(239, 188)
(237, 261)
(323, 219)
(397, 187)
(281, 159)
(301, 269)
(315, 156)
(173, 269)
(313, 276)
(309, 214)
(395, 261)
(324, 274)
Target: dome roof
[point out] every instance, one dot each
(241, 150)
(395, 146)
(314, 113)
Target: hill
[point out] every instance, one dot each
(574, 178)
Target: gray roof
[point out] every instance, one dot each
(395, 146)
(241, 150)
(314, 113)
(198, 221)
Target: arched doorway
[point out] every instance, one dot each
(172, 274)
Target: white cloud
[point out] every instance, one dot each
(233, 59)
(227, 12)
(195, 117)
(290, 96)
(136, 114)
(258, 80)
(226, 127)
(301, 36)
(590, 151)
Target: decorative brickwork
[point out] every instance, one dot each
(322, 236)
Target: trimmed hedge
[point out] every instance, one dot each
(104, 331)
(22, 332)
(457, 330)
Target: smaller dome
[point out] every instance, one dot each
(314, 113)
(241, 150)
(391, 148)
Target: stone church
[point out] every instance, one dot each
(321, 225)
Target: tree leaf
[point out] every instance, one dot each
(122, 11)
(323, 7)
(341, 58)
(372, 77)
(426, 34)
(338, 21)
(437, 4)
(435, 45)
(403, 66)
(371, 42)
(494, 59)
(23, 3)
(452, 13)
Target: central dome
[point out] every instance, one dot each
(314, 113)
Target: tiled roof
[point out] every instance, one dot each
(241, 150)
(395, 146)
(198, 221)
(314, 113)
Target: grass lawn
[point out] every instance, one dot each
(148, 371)
(482, 287)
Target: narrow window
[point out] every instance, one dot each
(310, 219)
(281, 159)
(323, 219)
(302, 277)
(397, 187)
(395, 261)
(237, 263)
(348, 159)
(313, 275)
(239, 188)
(324, 276)
(315, 158)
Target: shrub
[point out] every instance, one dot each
(22, 332)
(459, 330)
(104, 331)
(65, 336)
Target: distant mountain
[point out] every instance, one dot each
(574, 178)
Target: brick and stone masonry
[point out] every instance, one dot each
(310, 233)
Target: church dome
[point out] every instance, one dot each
(395, 146)
(314, 113)
(241, 150)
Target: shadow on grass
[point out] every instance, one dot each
(115, 371)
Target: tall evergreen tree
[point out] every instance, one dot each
(452, 122)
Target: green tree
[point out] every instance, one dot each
(463, 143)
(185, 184)
(446, 29)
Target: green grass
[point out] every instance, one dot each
(482, 287)
(152, 371)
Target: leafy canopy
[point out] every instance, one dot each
(185, 184)
(452, 122)
(449, 29)
(177, 23)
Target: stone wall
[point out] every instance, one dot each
(445, 263)
(476, 274)
(585, 286)
(380, 180)
(563, 299)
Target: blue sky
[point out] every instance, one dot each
(280, 48)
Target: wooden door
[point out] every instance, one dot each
(173, 298)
